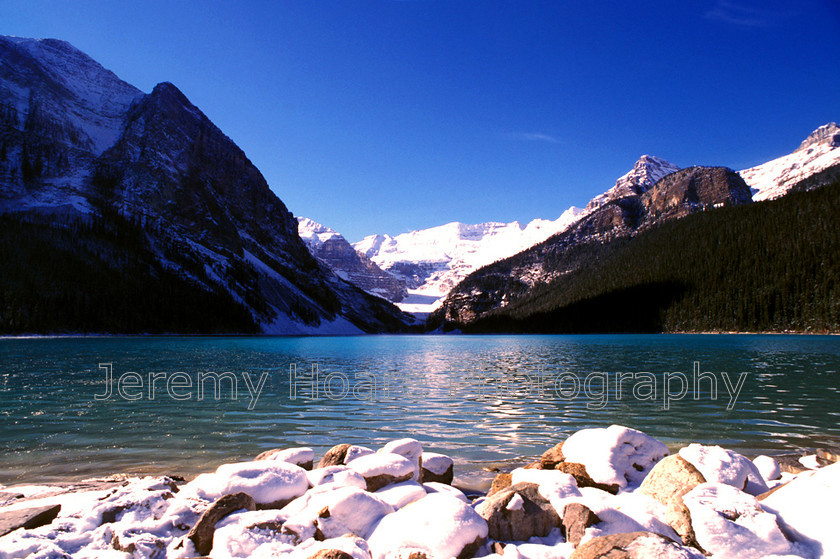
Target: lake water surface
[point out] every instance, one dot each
(485, 400)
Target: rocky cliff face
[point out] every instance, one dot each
(644, 174)
(79, 142)
(676, 195)
(333, 250)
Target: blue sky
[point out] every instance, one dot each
(388, 116)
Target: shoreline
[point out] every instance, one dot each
(433, 333)
(477, 476)
(598, 487)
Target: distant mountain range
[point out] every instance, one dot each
(164, 222)
(433, 261)
(122, 211)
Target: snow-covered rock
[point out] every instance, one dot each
(381, 469)
(768, 467)
(807, 507)
(302, 457)
(355, 547)
(729, 523)
(634, 545)
(438, 525)
(408, 448)
(819, 151)
(437, 487)
(336, 476)
(252, 534)
(336, 512)
(437, 467)
(614, 455)
(268, 482)
(721, 465)
(518, 513)
(399, 495)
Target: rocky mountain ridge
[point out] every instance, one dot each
(333, 249)
(78, 144)
(672, 197)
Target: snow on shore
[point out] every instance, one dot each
(598, 491)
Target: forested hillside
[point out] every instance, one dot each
(770, 266)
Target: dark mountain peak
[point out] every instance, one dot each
(159, 187)
(695, 188)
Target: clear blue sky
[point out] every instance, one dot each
(387, 116)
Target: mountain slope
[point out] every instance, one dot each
(819, 151)
(674, 196)
(761, 267)
(81, 146)
(333, 249)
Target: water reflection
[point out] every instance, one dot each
(481, 399)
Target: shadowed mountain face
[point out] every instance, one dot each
(83, 150)
(676, 195)
(333, 250)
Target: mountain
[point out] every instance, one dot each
(819, 151)
(432, 261)
(144, 190)
(765, 267)
(674, 196)
(647, 170)
(333, 249)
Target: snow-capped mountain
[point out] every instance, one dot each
(645, 173)
(333, 249)
(147, 183)
(819, 151)
(674, 196)
(432, 261)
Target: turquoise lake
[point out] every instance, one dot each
(484, 400)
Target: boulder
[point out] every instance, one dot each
(336, 512)
(330, 554)
(576, 519)
(407, 448)
(721, 465)
(383, 469)
(551, 457)
(768, 467)
(28, 518)
(271, 483)
(582, 478)
(806, 507)
(400, 494)
(202, 533)
(303, 457)
(667, 482)
(502, 480)
(633, 545)
(730, 523)
(614, 456)
(334, 456)
(436, 468)
(438, 526)
(518, 512)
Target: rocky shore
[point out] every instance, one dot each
(607, 492)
